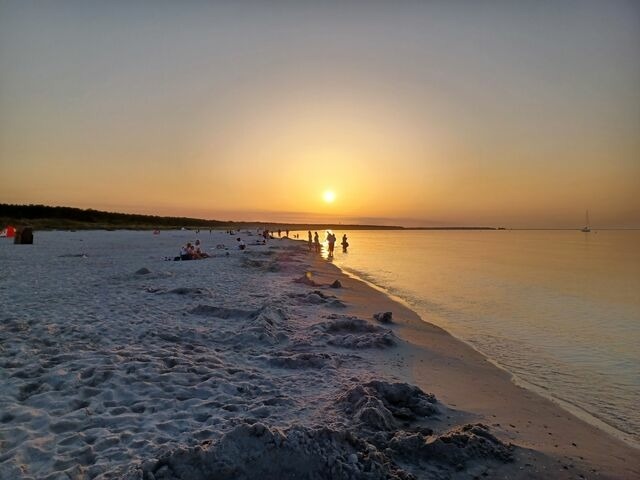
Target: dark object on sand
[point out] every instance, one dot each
(143, 271)
(384, 317)
(336, 284)
(24, 236)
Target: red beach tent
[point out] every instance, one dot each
(8, 232)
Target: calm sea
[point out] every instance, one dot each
(560, 310)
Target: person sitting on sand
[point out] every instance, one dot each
(191, 251)
(198, 250)
(184, 253)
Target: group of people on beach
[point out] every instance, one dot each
(191, 251)
(270, 234)
(195, 251)
(314, 242)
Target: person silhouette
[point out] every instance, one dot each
(345, 243)
(331, 240)
(316, 242)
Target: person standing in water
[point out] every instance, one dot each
(310, 240)
(316, 242)
(331, 240)
(345, 243)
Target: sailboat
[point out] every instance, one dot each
(587, 227)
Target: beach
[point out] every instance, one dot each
(116, 363)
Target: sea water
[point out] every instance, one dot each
(560, 310)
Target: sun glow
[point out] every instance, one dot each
(329, 196)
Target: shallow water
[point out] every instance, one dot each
(558, 309)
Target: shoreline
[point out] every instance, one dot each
(575, 410)
(595, 449)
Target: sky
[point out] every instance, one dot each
(415, 113)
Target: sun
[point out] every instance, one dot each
(329, 196)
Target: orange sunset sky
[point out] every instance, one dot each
(518, 114)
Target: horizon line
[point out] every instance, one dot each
(324, 224)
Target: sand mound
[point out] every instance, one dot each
(378, 405)
(384, 317)
(317, 297)
(456, 448)
(354, 333)
(267, 325)
(383, 340)
(248, 262)
(349, 325)
(257, 451)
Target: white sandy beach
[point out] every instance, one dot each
(117, 364)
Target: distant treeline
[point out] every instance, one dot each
(43, 217)
(76, 217)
